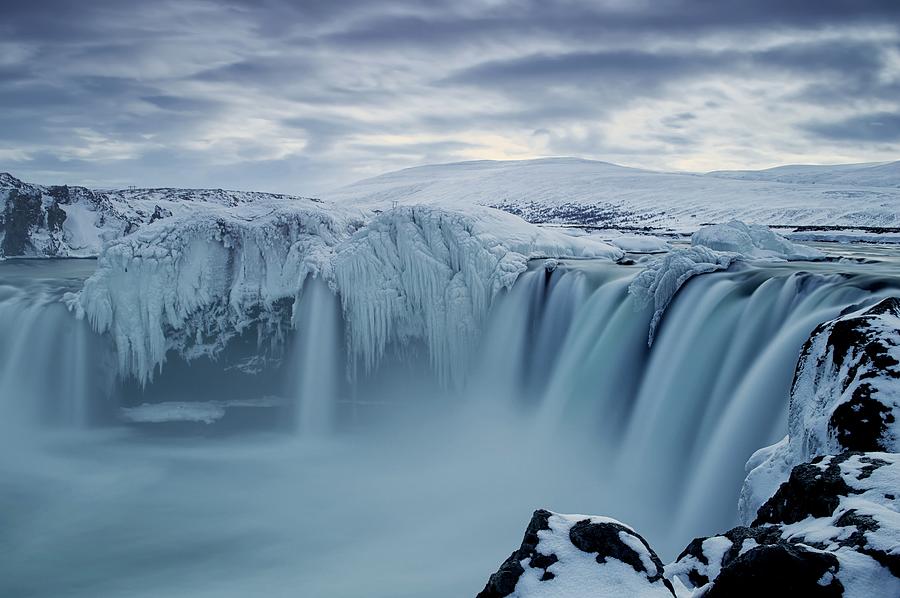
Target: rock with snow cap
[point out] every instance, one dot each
(570, 556)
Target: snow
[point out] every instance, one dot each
(752, 241)
(192, 283)
(871, 174)
(570, 190)
(577, 574)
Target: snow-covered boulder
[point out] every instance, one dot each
(431, 274)
(845, 397)
(752, 241)
(573, 556)
(833, 529)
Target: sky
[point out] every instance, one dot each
(304, 96)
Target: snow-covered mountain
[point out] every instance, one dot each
(68, 221)
(569, 190)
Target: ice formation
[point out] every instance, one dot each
(414, 273)
(658, 283)
(193, 283)
(713, 247)
(432, 274)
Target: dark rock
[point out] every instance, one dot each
(604, 539)
(811, 490)
(503, 582)
(778, 570)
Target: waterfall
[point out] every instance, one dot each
(669, 427)
(318, 359)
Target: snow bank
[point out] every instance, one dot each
(752, 241)
(432, 274)
(192, 283)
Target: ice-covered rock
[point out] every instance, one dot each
(431, 274)
(833, 529)
(752, 241)
(192, 283)
(658, 283)
(573, 556)
(845, 396)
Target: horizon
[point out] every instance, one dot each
(300, 193)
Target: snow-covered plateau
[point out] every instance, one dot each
(390, 379)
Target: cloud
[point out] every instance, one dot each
(303, 95)
(879, 127)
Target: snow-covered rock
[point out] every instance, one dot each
(431, 274)
(845, 396)
(68, 221)
(573, 556)
(752, 241)
(833, 529)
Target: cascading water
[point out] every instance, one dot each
(565, 406)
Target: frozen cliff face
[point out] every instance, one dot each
(68, 221)
(430, 274)
(192, 283)
(845, 396)
(832, 529)
(570, 556)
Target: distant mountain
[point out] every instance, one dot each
(64, 221)
(872, 174)
(570, 190)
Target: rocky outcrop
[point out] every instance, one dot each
(562, 555)
(830, 530)
(845, 397)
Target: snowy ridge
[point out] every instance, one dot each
(194, 282)
(71, 221)
(872, 174)
(191, 284)
(570, 190)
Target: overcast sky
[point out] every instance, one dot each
(303, 96)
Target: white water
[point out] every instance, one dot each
(390, 486)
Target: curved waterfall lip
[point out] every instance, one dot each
(564, 405)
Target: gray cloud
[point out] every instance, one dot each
(880, 127)
(300, 96)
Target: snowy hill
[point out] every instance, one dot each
(64, 221)
(569, 190)
(876, 174)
